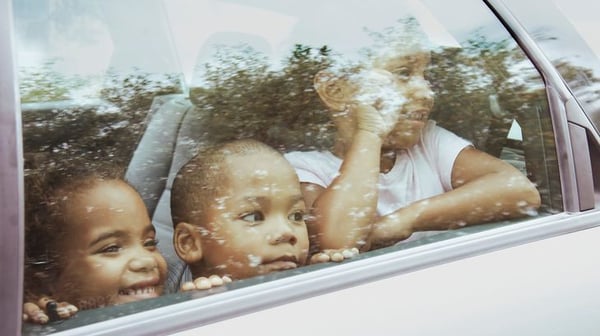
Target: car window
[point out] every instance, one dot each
(570, 44)
(136, 97)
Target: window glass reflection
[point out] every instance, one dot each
(139, 102)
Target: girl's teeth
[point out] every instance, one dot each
(138, 291)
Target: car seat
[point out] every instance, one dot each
(170, 140)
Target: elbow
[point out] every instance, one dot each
(529, 198)
(534, 198)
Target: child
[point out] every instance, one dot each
(392, 172)
(90, 242)
(238, 212)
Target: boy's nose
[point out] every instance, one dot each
(145, 263)
(283, 237)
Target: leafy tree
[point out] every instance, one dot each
(243, 96)
(71, 132)
(41, 84)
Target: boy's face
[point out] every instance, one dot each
(257, 225)
(109, 250)
(397, 82)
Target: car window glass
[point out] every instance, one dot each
(567, 36)
(142, 94)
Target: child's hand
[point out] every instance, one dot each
(335, 255)
(205, 283)
(46, 310)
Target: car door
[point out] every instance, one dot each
(89, 81)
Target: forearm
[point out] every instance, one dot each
(345, 210)
(493, 197)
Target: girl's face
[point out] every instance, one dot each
(109, 252)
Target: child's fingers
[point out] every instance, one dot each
(55, 310)
(43, 301)
(333, 255)
(319, 258)
(47, 309)
(215, 280)
(205, 283)
(202, 283)
(349, 253)
(66, 310)
(188, 286)
(337, 256)
(33, 313)
(50, 307)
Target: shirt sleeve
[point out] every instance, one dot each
(444, 146)
(312, 167)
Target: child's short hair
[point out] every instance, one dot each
(198, 182)
(47, 193)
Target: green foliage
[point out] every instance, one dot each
(243, 97)
(63, 134)
(242, 94)
(42, 84)
(465, 80)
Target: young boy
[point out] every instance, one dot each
(392, 172)
(238, 212)
(90, 242)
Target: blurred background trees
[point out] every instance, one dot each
(482, 89)
(61, 131)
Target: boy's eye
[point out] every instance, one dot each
(255, 216)
(297, 216)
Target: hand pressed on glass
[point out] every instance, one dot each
(201, 283)
(46, 310)
(333, 255)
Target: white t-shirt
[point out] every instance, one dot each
(420, 172)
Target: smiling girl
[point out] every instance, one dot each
(90, 242)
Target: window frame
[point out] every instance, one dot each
(190, 313)
(11, 192)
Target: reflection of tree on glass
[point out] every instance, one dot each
(392, 172)
(240, 96)
(505, 93)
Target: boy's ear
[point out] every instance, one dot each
(333, 90)
(187, 241)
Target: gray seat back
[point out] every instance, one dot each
(172, 137)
